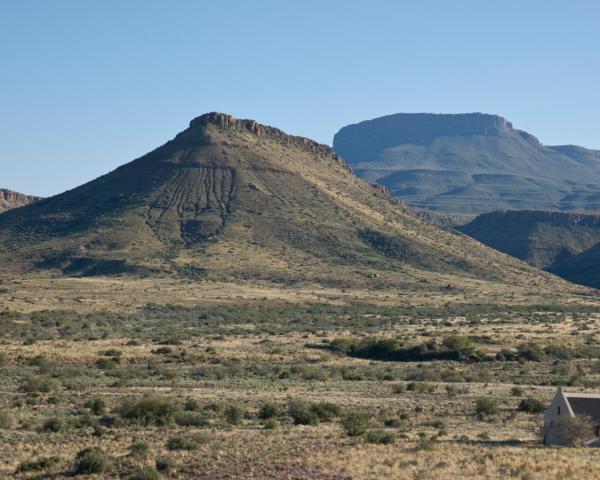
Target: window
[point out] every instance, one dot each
(559, 409)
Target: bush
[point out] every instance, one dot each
(91, 460)
(302, 414)
(165, 464)
(234, 414)
(38, 385)
(43, 463)
(516, 391)
(531, 405)
(112, 352)
(380, 436)
(53, 425)
(191, 419)
(139, 450)
(191, 442)
(462, 347)
(571, 431)
(325, 411)
(355, 423)
(107, 363)
(271, 424)
(485, 406)
(531, 351)
(268, 410)
(191, 405)
(145, 473)
(96, 405)
(148, 411)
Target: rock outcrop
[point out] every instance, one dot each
(10, 199)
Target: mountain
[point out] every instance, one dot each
(543, 238)
(10, 199)
(469, 163)
(583, 268)
(231, 199)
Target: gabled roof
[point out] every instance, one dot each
(584, 404)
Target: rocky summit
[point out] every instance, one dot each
(469, 163)
(10, 199)
(234, 199)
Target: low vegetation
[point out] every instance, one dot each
(366, 393)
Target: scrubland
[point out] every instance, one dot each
(287, 389)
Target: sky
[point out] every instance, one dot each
(86, 86)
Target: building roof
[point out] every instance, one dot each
(584, 404)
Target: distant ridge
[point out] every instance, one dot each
(231, 199)
(564, 243)
(469, 163)
(10, 199)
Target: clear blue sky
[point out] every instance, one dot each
(88, 85)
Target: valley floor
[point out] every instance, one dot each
(255, 390)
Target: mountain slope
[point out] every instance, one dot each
(583, 268)
(10, 199)
(542, 238)
(233, 199)
(469, 163)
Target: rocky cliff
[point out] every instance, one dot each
(10, 199)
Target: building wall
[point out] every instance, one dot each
(558, 402)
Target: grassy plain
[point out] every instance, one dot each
(242, 382)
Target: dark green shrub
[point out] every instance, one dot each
(96, 405)
(112, 352)
(462, 347)
(341, 345)
(43, 463)
(532, 405)
(191, 405)
(38, 385)
(107, 363)
(485, 406)
(531, 351)
(165, 464)
(356, 423)
(191, 419)
(54, 425)
(268, 410)
(302, 414)
(190, 442)
(234, 414)
(91, 460)
(380, 436)
(326, 411)
(516, 391)
(148, 411)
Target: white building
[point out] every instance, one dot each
(565, 405)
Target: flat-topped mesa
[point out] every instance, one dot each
(515, 217)
(223, 120)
